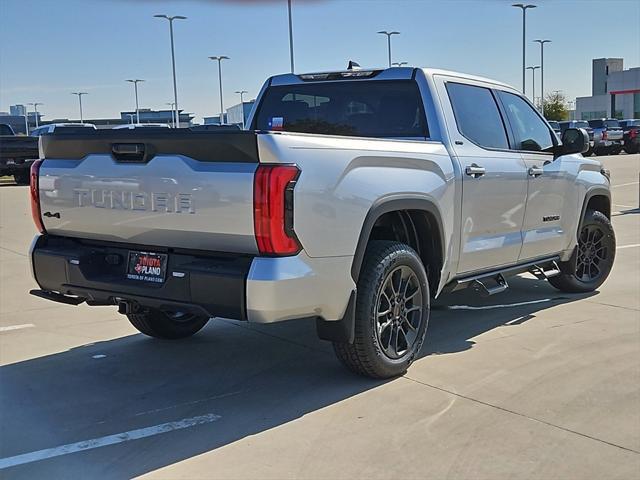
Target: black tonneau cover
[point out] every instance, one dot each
(141, 144)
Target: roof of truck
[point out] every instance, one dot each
(390, 73)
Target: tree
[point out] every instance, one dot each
(556, 107)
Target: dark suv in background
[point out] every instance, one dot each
(607, 136)
(631, 131)
(579, 124)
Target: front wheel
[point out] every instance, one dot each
(392, 312)
(171, 326)
(591, 263)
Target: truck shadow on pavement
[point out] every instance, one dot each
(255, 378)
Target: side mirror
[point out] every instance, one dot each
(574, 140)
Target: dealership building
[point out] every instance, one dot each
(615, 92)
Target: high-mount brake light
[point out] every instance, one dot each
(34, 193)
(273, 209)
(349, 74)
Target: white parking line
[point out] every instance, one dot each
(105, 441)
(628, 246)
(490, 307)
(16, 327)
(625, 184)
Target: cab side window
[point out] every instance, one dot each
(531, 133)
(477, 115)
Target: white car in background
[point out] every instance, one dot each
(50, 128)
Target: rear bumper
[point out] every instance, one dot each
(257, 289)
(96, 272)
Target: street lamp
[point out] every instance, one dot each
(400, 64)
(542, 42)
(388, 34)
(524, 8)
(241, 93)
(173, 57)
(219, 58)
(533, 82)
(79, 94)
(290, 34)
(35, 110)
(173, 113)
(135, 87)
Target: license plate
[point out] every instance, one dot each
(147, 267)
(11, 162)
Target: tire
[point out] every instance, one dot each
(21, 178)
(600, 152)
(388, 267)
(157, 324)
(591, 262)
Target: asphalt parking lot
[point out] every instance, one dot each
(532, 383)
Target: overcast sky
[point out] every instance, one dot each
(49, 48)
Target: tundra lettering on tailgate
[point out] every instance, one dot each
(142, 201)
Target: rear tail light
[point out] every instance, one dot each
(34, 192)
(633, 133)
(273, 209)
(605, 135)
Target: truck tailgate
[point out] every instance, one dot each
(182, 189)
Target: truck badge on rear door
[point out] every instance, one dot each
(140, 201)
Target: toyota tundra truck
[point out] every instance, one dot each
(353, 198)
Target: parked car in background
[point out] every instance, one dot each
(133, 126)
(631, 135)
(579, 124)
(555, 126)
(51, 127)
(17, 153)
(607, 136)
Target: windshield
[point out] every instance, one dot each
(354, 108)
(611, 123)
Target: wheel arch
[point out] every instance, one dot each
(424, 222)
(598, 198)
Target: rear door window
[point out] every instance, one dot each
(477, 115)
(373, 108)
(531, 132)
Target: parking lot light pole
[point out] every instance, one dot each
(399, 64)
(542, 42)
(524, 8)
(388, 34)
(79, 94)
(533, 82)
(135, 88)
(219, 58)
(35, 110)
(290, 34)
(241, 93)
(173, 58)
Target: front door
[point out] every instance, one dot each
(494, 180)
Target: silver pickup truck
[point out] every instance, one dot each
(353, 198)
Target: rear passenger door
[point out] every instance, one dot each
(552, 195)
(494, 178)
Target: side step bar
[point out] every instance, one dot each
(495, 281)
(57, 297)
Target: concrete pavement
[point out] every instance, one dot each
(532, 383)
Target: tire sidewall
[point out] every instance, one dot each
(367, 309)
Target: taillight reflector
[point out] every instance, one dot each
(34, 193)
(273, 209)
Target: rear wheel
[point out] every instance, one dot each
(157, 324)
(593, 258)
(392, 312)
